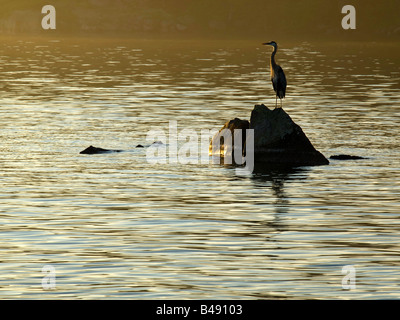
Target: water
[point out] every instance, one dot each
(115, 226)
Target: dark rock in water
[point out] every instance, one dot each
(277, 139)
(231, 125)
(95, 150)
(148, 145)
(346, 157)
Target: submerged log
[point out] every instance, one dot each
(277, 139)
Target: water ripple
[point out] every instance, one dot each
(117, 226)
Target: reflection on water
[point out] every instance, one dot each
(275, 179)
(116, 226)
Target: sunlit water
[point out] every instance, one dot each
(117, 226)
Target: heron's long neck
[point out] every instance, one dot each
(273, 64)
(272, 61)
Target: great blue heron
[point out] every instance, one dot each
(277, 75)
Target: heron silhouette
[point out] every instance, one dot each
(277, 75)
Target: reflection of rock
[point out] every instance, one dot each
(274, 178)
(277, 139)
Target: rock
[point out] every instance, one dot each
(147, 145)
(95, 150)
(231, 125)
(346, 157)
(277, 139)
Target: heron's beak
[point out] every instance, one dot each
(266, 43)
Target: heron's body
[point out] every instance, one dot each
(278, 77)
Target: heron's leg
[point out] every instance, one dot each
(276, 101)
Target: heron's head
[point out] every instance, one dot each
(271, 43)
